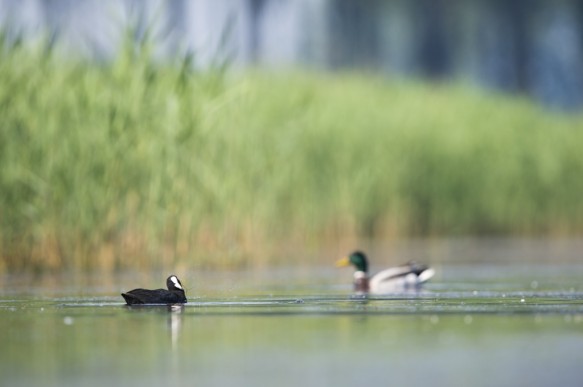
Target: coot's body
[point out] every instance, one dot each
(174, 295)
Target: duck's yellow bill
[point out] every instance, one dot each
(343, 262)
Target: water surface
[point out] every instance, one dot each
(485, 325)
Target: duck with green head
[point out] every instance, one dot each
(407, 276)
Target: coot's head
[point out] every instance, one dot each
(174, 284)
(356, 259)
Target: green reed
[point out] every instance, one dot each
(137, 163)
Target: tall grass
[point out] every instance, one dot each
(135, 163)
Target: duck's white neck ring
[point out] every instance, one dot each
(359, 275)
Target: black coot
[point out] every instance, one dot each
(174, 295)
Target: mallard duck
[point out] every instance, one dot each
(174, 295)
(406, 276)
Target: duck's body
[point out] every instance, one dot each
(174, 295)
(408, 276)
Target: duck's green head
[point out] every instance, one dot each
(356, 259)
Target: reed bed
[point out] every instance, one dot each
(136, 163)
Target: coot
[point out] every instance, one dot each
(174, 295)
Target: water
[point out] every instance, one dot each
(478, 325)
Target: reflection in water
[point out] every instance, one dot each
(471, 320)
(175, 322)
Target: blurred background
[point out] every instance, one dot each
(531, 47)
(160, 134)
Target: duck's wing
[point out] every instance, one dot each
(390, 275)
(400, 277)
(425, 275)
